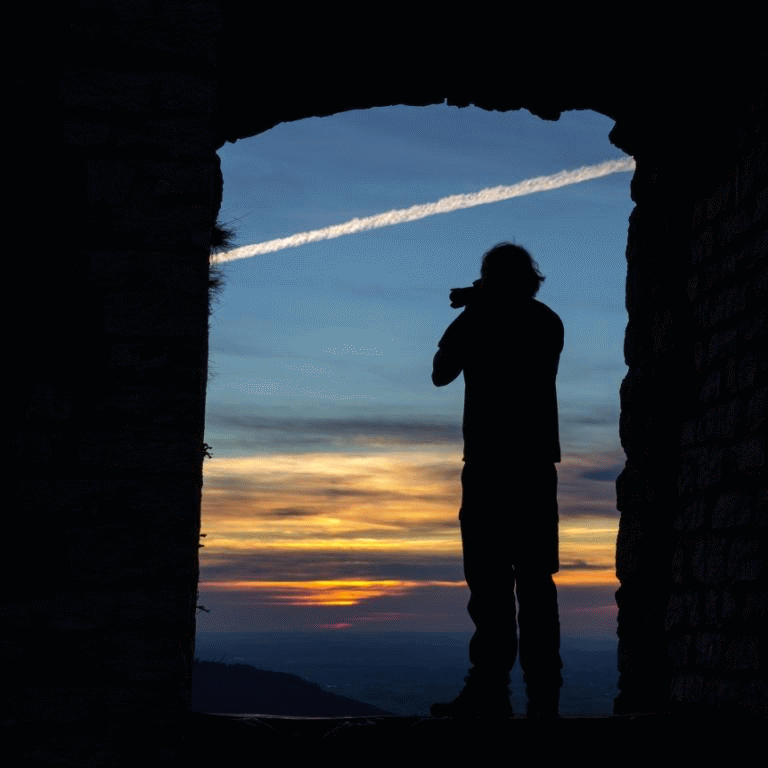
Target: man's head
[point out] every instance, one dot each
(511, 267)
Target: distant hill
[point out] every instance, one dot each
(243, 689)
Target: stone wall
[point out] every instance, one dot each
(111, 366)
(691, 547)
(718, 612)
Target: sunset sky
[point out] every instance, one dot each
(332, 496)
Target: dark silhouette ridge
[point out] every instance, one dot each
(119, 144)
(241, 688)
(507, 345)
(404, 672)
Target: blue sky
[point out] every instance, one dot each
(321, 359)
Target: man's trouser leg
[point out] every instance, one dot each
(506, 521)
(491, 581)
(539, 626)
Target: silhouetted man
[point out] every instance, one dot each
(508, 346)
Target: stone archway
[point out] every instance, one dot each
(109, 395)
(684, 224)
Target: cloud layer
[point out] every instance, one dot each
(384, 517)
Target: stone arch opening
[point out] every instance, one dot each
(570, 156)
(675, 216)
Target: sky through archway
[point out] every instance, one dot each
(332, 496)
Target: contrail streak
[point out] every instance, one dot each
(444, 205)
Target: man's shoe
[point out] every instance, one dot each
(477, 700)
(543, 694)
(546, 707)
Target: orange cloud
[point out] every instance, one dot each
(327, 592)
(319, 509)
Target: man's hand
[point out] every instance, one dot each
(460, 296)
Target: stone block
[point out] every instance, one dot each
(729, 604)
(35, 447)
(732, 509)
(51, 704)
(690, 516)
(674, 617)
(85, 133)
(761, 516)
(171, 136)
(742, 653)
(113, 180)
(698, 217)
(760, 212)
(151, 312)
(744, 560)
(711, 276)
(757, 410)
(729, 264)
(140, 450)
(722, 691)
(730, 229)
(720, 201)
(679, 562)
(678, 650)
(711, 613)
(753, 695)
(724, 304)
(708, 649)
(688, 437)
(687, 686)
(117, 92)
(186, 179)
(711, 388)
(718, 422)
(692, 608)
(699, 354)
(693, 287)
(696, 516)
(105, 90)
(686, 483)
(150, 658)
(720, 345)
(710, 464)
(752, 174)
(708, 560)
(751, 253)
(741, 372)
(756, 608)
(754, 327)
(702, 246)
(748, 455)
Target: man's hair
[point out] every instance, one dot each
(513, 266)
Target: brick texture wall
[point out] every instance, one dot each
(691, 547)
(718, 612)
(111, 371)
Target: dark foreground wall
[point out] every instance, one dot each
(717, 617)
(117, 185)
(691, 548)
(109, 344)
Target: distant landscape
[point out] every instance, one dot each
(315, 674)
(240, 688)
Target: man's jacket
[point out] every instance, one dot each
(509, 351)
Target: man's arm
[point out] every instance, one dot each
(444, 368)
(448, 363)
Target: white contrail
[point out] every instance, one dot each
(444, 205)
